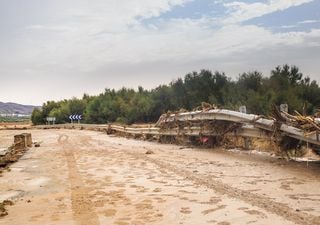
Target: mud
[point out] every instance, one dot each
(86, 177)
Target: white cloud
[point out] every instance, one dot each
(95, 41)
(111, 33)
(308, 21)
(93, 34)
(288, 26)
(241, 11)
(177, 40)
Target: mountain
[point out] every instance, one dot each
(14, 108)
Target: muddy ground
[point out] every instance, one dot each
(89, 178)
(15, 125)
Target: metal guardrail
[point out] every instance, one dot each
(249, 126)
(244, 131)
(238, 117)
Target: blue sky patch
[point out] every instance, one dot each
(191, 10)
(300, 18)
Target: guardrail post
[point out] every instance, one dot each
(247, 143)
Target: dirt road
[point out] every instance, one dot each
(89, 178)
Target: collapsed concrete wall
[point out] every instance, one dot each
(20, 145)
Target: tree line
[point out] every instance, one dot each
(285, 84)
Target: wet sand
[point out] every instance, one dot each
(89, 178)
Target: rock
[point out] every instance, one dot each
(149, 152)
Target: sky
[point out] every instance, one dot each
(57, 49)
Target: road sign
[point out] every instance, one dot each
(243, 109)
(51, 119)
(75, 117)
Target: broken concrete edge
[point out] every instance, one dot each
(21, 144)
(23, 140)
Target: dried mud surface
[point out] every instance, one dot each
(89, 178)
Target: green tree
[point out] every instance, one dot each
(36, 117)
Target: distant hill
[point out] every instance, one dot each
(14, 108)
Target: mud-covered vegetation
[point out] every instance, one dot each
(285, 84)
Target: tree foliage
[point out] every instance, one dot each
(286, 84)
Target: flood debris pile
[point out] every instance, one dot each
(309, 127)
(21, 144)
(210, 126)
(309, 124)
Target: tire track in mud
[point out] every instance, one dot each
(83, 211)
(219, 187)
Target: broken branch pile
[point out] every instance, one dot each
(306, 123)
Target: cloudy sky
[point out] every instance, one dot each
(56, 49)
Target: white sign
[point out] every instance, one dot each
(243, 109)
(51, 119)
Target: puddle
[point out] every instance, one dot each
(37, 181)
